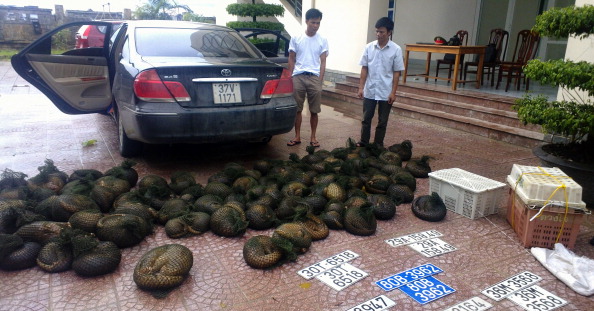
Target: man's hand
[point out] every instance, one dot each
(362, 79)
(360, 93)
(391, 99)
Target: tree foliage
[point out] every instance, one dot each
(563, 22)
(159, 9)
(254, 10)
(257, 9)
(192, 17)
(261, 25)
(565, 73)
(572, 118)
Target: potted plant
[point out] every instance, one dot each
(569, 121)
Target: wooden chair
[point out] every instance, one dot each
(525, 50)
(498, 38)
(463, 37)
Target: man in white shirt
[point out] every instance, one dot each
(307, 63)
(381, 65)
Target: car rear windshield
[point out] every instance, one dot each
(169, 42)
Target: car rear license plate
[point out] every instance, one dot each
(226, 93)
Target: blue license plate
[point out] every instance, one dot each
(426, 290)
(399, 279)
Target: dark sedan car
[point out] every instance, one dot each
(164, 82)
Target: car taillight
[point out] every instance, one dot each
(282, 87)
(149, 87)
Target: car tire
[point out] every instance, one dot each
(128, 147)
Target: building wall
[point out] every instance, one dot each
(520, 22)
(422, 20)
(16, 24)
(16, 29)
(347, 30)
(352, 27)
(293, 23)
(493, 14)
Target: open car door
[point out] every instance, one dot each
(271, 43)
(71, 66)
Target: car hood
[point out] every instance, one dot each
(208, 61)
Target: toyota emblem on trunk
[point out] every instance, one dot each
(226, 72)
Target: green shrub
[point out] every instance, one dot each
(572, 118)
(258, 9)
(262, 25)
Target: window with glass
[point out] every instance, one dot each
(192, 43)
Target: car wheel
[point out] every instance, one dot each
(128, 147)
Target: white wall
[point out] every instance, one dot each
(349, 25)
(292, 24)
(422, 20)
(220, 12)
(580, 50)
(345, 23)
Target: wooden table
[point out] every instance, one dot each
(457, 50)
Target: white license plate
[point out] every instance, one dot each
(472, 304)
(399, 279)
(380, 302)
(426, 290)
(226, 93)
(536, 298)
(513, 284)
(342, 276)
(433, 247)
(413, 237)
(330, 262)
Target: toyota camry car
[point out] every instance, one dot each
(164, 82)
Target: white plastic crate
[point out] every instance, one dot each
(538, 185)
(465, 193)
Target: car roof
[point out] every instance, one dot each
(174, 24)
(114, 21)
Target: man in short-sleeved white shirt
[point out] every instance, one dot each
(307, 63)
(381, 64)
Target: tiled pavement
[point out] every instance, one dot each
(488, 250)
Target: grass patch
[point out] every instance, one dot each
(7, 54)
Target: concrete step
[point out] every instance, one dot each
(485, 113)
(463, 96)
(512, 135)
(489, 115)
(347, 86)
(441, 92)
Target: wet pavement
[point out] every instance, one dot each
(487, 249)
